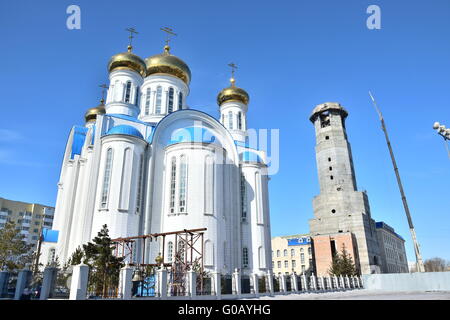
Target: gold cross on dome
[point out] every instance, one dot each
(131, 31)
(169, 32)
(233, 68)
(104, 86)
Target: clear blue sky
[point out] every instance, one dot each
(292, 55)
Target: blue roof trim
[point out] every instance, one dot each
(382, 225)
(50, 235)
(125, 117)
(79, 136)
(192, 134)
(125, 130)
(249, 156)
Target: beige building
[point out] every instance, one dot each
(292, 253)
(28, 217)
(393, 253)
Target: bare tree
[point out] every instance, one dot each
(436, 265)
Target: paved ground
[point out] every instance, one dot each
(364, 295)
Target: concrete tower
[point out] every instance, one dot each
(340, 209)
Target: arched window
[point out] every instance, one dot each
(183, 183)
(147, 101)
(301, 249)
(139, 186)
(181, 250)
(137, 97)
(52, 255)
(180, 101)
(239, 120)
(169, 251)
(106, 177)
(126, 179)
(245, 257)
(292, 252)
(285, 252)
(278, 253)
(128, 92)
(170, 101)
(230, 120)
(243, 198)
(302, 258)
(158, 100)
(209, 185)
(173, 176)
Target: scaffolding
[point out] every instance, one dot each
(187, 255)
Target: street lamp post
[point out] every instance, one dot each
(444, 133)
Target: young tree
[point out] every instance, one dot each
(76, 258)
(15, 253)
(105, 267)
(342, 264)
(436, 265)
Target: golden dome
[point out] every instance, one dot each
(169, 64)
(127, 60)
(233, 93)
(91, 114)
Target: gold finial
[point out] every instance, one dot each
(169, 32)
(104, 86)
(233, 69)
(131, 31)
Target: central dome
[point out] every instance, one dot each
(168, 64)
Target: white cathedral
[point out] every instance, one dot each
(145, 163)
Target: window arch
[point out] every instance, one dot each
(278, 253)
(158, 100)
(292, 252)
(173, 177)
(285, 252)
(147, 101)
(128, 92)
(170, 101)
(182, 184)
(245, 257)
(107, 177)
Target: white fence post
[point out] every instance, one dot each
(192, 283)
(294, 283)
(313, 282)
(283, 283)
(79, 284)
(23, 280)
(126, 282)
(48, 283)
(305, 286)
(255, 279)
(236, 282)
(216, 284)
(162, 283)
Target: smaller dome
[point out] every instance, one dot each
(168, 64)
(233, 93)
(127, 60)
(125, 130)
(91, 114)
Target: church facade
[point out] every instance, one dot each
(144, 163)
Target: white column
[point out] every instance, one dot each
(330, 282)
(78, 286)
(22, 282)
(347, 281)
(126, 282)
(341, 282)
